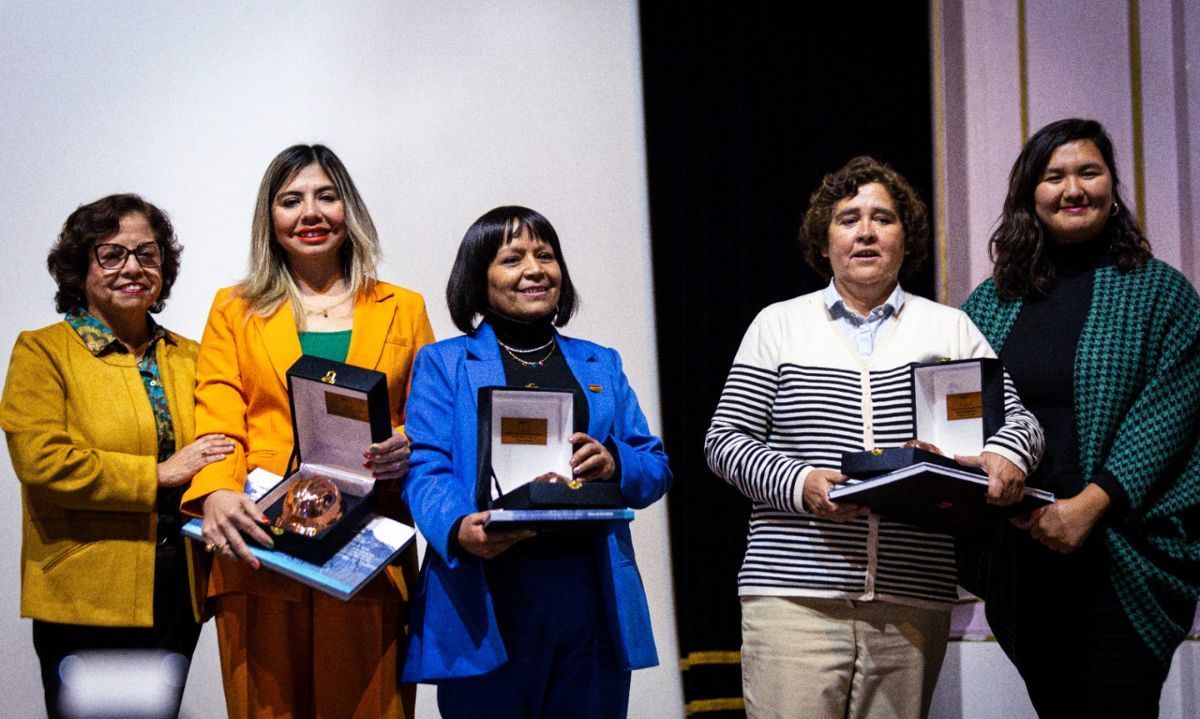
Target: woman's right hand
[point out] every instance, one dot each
(476, 539)
(227, 514)
(183, 465)
(816, 496)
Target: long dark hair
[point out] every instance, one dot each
(467, 289)
(1018, 246)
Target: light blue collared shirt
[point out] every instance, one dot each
(862, 332)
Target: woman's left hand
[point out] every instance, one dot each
(1006, 481)
(592, 460)
(1064, 525)
(389, 459)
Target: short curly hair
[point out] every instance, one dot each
(845, 183)
(95, 222)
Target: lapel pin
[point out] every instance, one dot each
(595, 388)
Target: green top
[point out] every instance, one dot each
(326, 345)
(1137, 410)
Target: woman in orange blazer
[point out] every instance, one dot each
(287, 650)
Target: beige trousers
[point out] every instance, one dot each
(840, 659)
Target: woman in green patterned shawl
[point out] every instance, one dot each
(1091, 596)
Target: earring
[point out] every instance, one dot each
(1115, 209)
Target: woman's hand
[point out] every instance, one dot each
(592, 460)
(183, 465)
(1064, 525)
(476, 539)
(1006, 481)
(389, 459)
(816, 496)
(227, 514)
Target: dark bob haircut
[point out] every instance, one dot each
(95, 222)
(1018, 246)
(844, 184)
(467, 289)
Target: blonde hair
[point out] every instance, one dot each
(269, 281)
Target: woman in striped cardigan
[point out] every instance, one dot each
(846, 613)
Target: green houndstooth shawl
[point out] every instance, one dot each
(1137, 412)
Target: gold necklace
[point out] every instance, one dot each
(531, 349)
(536, 363)
(323, 311)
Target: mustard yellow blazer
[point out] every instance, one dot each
(242, 393)
(82, 439)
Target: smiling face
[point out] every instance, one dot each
(524, 278)
(866, 245)
(1074, 197)
(124, 293)
(309, 217)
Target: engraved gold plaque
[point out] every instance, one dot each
(523, 430)
(968, 405)
(341, 405)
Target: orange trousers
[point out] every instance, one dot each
(319, 658)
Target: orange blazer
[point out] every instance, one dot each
(241, 392)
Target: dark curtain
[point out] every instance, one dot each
(747, 105)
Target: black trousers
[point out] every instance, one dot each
(1071, 640)
(561, 660)
(174, 629)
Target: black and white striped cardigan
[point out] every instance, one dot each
(797, 396)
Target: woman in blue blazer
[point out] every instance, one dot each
(508, 623)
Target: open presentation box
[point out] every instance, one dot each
(524, 435)
(957, 406)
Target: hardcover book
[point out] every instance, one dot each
(936, 497)
(375, 545)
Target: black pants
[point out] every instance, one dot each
(174, 628)
(561, 662)
(1071, 640)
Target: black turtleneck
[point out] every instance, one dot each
(542, 368)
(1039, 355)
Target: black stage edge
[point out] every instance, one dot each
(747, 105)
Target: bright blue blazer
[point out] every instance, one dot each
(453, 625)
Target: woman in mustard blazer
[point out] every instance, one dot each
(287, 650)
(97, 409)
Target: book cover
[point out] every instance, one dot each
(547, 518)
(935, 497)
(375, 546)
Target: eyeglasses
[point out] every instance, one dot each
(112, 256)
